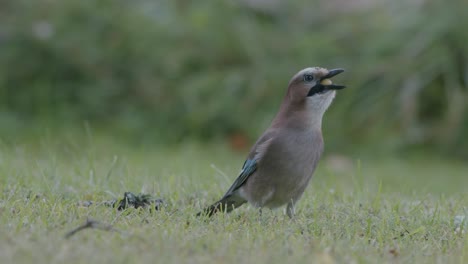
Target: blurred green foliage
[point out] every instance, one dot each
(172, 70)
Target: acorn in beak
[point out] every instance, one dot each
(325, 84)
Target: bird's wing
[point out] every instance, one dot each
(250, 165)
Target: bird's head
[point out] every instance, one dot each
(313, 87)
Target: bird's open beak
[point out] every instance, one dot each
(326, 84)
(332, 86)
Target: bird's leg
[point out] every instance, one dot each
(290, 211)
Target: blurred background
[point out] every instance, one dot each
(176, 71)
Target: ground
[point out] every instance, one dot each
(358, 209)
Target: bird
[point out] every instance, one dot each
(281, 163)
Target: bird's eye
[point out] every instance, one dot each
(308, 77)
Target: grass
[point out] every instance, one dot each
(357, 209)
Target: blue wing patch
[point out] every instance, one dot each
(249, 167)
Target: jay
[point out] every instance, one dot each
(281, 163)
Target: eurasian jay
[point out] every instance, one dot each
(282, 161)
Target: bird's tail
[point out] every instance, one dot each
(226, 204)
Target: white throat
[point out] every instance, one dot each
(317, 105)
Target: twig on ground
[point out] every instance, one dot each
(90, 223)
